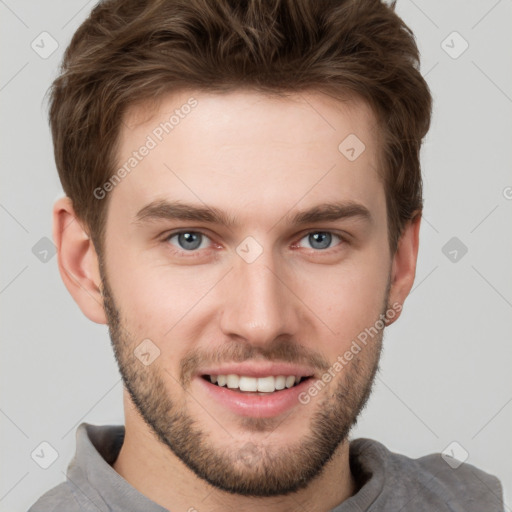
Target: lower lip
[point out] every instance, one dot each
(253, 405)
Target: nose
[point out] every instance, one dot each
(259, 304)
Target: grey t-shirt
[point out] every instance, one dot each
(387, 481)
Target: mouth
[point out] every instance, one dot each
(255, 385)
(260, 395)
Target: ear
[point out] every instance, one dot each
(78, 261)
(403, 268)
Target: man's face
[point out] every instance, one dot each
(254, 286)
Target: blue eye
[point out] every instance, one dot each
(320, 240)
(191, 241)
(188, 240)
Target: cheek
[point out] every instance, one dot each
(161, 302)
(165, 304)
(150, 302)
(347, 299)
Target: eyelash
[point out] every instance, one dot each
(194, 253)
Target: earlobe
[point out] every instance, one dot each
(78, 261)
(403, 268)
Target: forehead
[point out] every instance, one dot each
(248, 152)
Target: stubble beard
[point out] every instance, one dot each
(248, 469)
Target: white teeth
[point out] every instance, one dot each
(233, 381)
(265, 384)
(248, 384)
(290, 381)
(280, 382)
(261, 384)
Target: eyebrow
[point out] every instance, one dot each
(176, 210)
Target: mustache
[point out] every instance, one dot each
(283, 350)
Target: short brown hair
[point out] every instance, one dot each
(129, 51)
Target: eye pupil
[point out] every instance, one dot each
(320, 240)
(189, 240)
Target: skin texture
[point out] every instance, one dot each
(260, 160)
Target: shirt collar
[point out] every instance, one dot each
(92, 477)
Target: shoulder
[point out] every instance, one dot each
(60, 498)
(461, 482)
(433, 481)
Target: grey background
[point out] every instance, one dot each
(445, 372)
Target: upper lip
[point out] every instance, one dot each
(258, 369)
